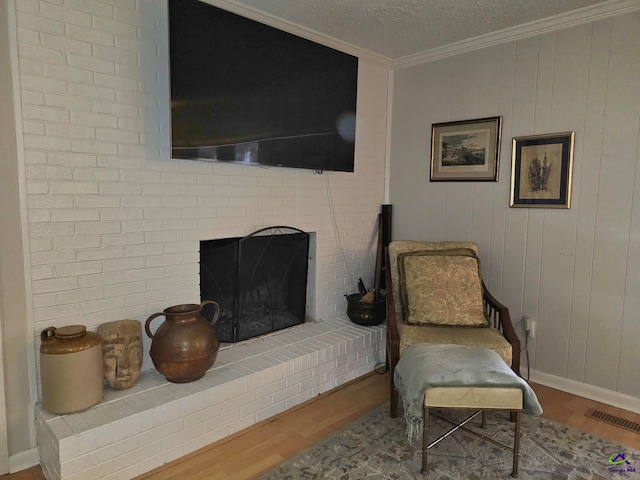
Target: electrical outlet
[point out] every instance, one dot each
(531, 327)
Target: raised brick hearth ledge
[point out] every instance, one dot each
(136, 430)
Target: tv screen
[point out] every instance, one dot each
(245, 92)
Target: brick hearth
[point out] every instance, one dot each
(136, 430)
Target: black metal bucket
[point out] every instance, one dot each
(365, 313)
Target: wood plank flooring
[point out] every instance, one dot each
(256, 450)
(570, 410)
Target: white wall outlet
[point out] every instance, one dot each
(531, 327)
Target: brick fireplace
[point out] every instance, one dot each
(136, 430)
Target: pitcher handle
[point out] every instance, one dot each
(47, 333)
(146, 325)
(217, 309)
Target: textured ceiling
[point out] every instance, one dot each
(397, 28)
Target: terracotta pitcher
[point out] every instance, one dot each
(185, 346)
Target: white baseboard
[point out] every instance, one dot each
(616, 399)
(23, 460)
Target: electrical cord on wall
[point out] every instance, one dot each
(525, 349)
(332, 214)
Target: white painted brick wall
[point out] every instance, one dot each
(114, 222)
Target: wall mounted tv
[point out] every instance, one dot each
(245, 92)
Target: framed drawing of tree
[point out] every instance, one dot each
(541, 168)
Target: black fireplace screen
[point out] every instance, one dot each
(259, 281)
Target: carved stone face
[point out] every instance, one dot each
(121, 352)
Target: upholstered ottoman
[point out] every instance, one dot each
(460, 377)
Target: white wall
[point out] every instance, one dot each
(14, 325)
(576, 271)
(114, 223)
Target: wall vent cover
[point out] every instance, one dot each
(613, 420)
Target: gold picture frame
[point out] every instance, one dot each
(467, 150)
(541, 170)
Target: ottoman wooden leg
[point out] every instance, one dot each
(393, 407)
(425, 440)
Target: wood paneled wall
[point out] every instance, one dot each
(576, 271)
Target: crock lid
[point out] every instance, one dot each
(70, 332)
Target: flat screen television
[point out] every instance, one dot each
(245, 92)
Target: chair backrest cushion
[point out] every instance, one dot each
(441, 287)
(401, 246)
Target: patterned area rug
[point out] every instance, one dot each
(376, 447)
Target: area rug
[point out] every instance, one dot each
(376, 447)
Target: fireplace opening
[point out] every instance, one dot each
(259, 281)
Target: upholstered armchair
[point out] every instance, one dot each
(438, 296)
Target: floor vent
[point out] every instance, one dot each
(613, 420)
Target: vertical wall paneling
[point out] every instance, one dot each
(463, 97)
(628, 376)
(544, 89)
(463, 105)
(541, 73)
(522, 111)
(586, 194)
(488, 94)
(569, 84)
(459, 196)
(614, 208)
(539, 123)
(531, 284)
(628, 380)
(574, 270)
(412, 172)
(500, 197)
(439, 91)
(536, 227)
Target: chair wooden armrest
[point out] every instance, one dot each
(393, 335)
(500, 319)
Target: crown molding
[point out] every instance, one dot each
(538, 27)
(290, 27)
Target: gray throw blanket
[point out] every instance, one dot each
(423, 366)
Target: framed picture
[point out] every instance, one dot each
(541, 167)
(468, 150)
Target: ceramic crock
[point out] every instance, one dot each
(70, 369)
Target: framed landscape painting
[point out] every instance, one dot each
(541, 168)
(467, 150)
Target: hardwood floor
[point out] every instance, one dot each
(258, 449)
(570, 410)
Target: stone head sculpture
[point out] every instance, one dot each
(121, 352)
